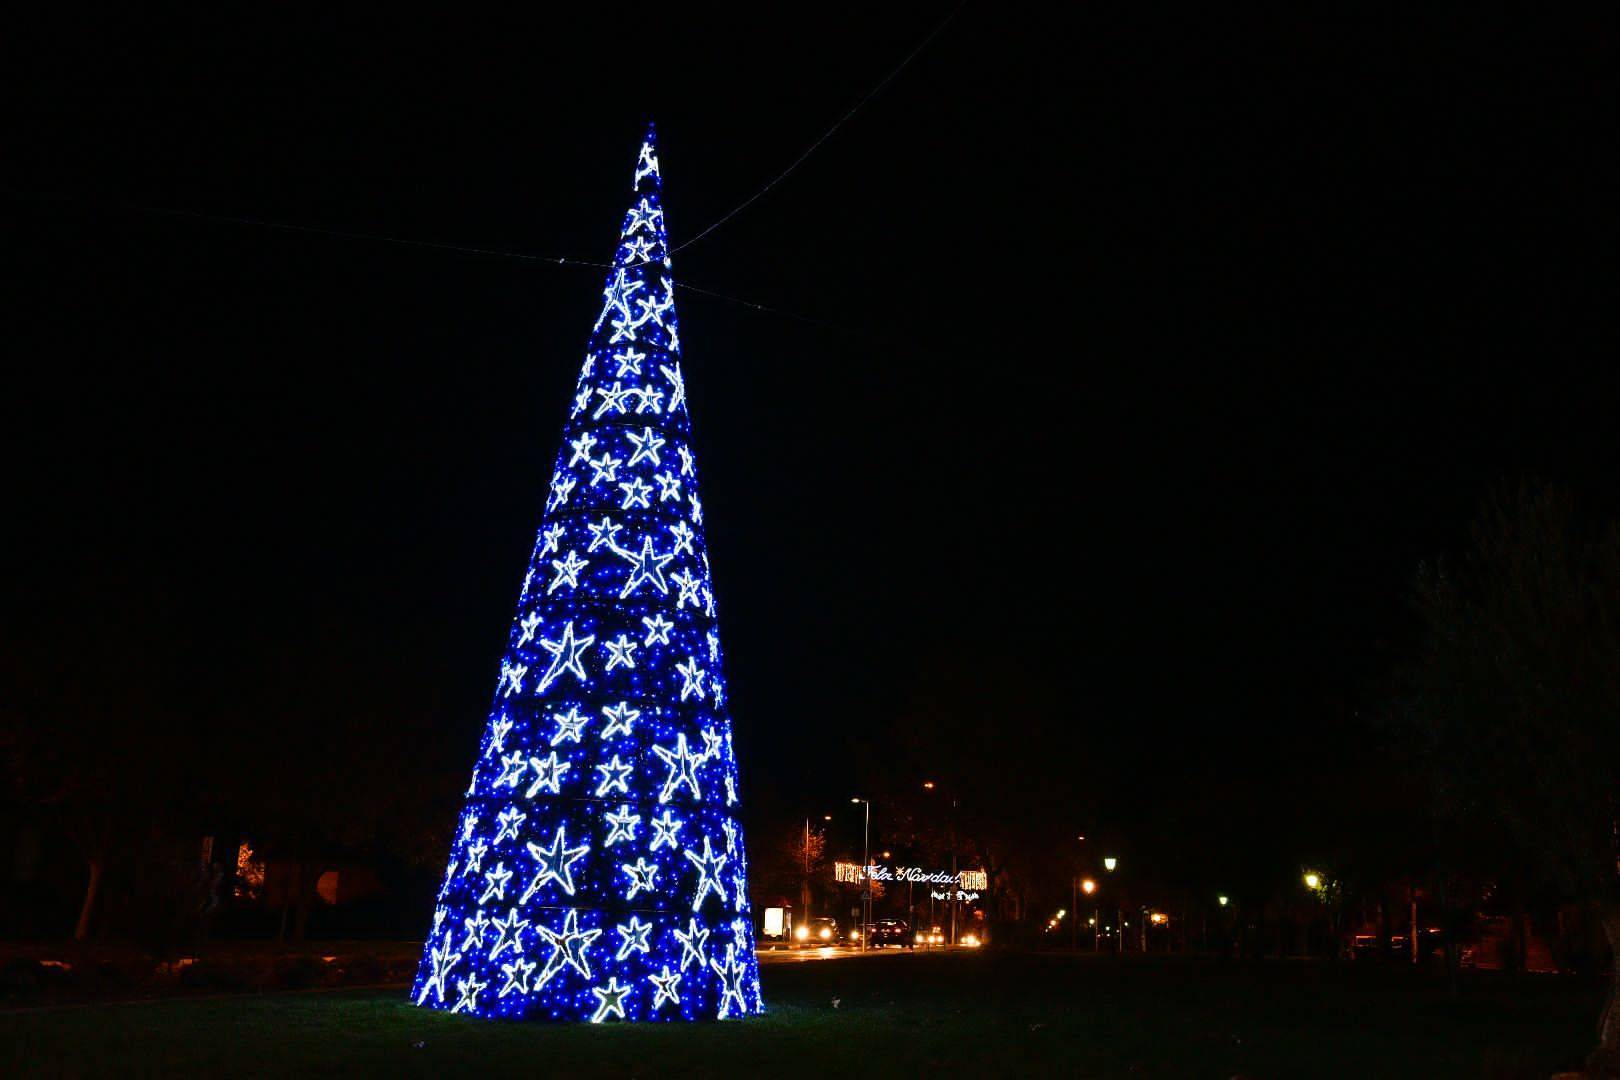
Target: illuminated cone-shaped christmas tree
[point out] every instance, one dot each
(598, 870)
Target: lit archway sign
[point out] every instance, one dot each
(852, 874)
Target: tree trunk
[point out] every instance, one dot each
(82, 930)
(1605, 1060)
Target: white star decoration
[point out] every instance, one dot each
(615, 777)
(621, 825)
(565, 656)
(567, 571)
(548, 775)
(682, 765)
(555, 863)
(667, 983)
(517, 973)
(467, 990)
(508, 934)
(646, 566)
(495, 883)
(666, 831)
(731, 987)
(604, 534)
(620, 718)
(508, 822)
(621, 652)
(442, 961)
(709, 866)
(570, 725)
(648, 443)
(658, 629)
(609, 1000)
(692, 679)
(636, 493)
(633, 938)
(692, 943)
(569, 945)
(643, 877)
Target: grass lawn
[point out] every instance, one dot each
(983, 1014)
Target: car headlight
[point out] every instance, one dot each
(920, 939)
(802, 933)
(825, 933)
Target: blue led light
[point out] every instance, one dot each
(599, 871)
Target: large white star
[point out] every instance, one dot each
(682, 765)
(658, 629)
(467, 989)
(668, 984)
(731, 987)
(582, 448)
(443, 961)
(619, 291)
(666, 831)
(692, 944)
(475, 925)
(636, 493)
(648, 443)
(615, 777)
(548, 775)
(517, 973)
(648, 566)
(622, 825)
(605, 469)
(555, 863)
(569, 945)
(651, 399)
(643, 876)
(612, 398)
(570, 725)
(507, 823)
(669, 486)
(508, 934)
(565, 656)
(620, 719)
(609, 1000)
(691, 679)
(643, 216)
(495, 883)
(513, 766)
(567, 571)
(604, 533)
(633, 938)
(621, 652)
(629, 362)
(709, 866)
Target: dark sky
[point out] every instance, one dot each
(1142, 361)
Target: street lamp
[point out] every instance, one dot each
(1110, 863)
(1088, 886)
(1313, 880)
(1221, 900)
(866, 872)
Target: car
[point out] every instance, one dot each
(821, 930)
(926, 936)
(888, 932)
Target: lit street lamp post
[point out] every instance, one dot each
(866, 873)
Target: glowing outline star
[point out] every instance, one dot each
(647, 445)
(709, 866)
(646, 565)
(629, 361)
(634, 938)
(689, 585)
(642, 216)
(497, 735)
(643, 877)
(666, 830)
(611, 399)
(468, 990)
(638, 251)
(495, 883)
(468, 824)
(604, 534)
(619, 780)
(552, 537)
(739, 885)
(731, 835)
(687, 461)
(623, 825)
(530, 623)
(561, 488)
(731, 974)
(474, 925)
(621, 652)
(697, 934)
(677, 382)
(623, 330)
(509, 821)
(518, 973)
(570, 646)
(635, 494)
(669, 486)
(683, 537)
(711, 744)
(443, 961)
(620, 718)
(605, 468)
(570, 725)
(682, 765)
(514, 927)
(666, 985)
(512, 675)
(714, 646)
(582, 400)
(610, 1000)
(556, 863)
(549, 773)
(653, 309)
(697, 509)
(569, 945)
(567, 571)
(513, 766)
(582, 448)
(618, 293)
(693, 678)
(652, 399)
(658, 629)
(475, 856)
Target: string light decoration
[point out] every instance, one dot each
(599, 873)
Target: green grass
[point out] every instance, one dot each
(980, 1014)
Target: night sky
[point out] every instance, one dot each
(1123, 373)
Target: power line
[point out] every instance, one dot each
(870, 94)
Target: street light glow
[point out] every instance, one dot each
(1221, 900)
(1312, 880)
(1109, 863)
(1088, 886)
